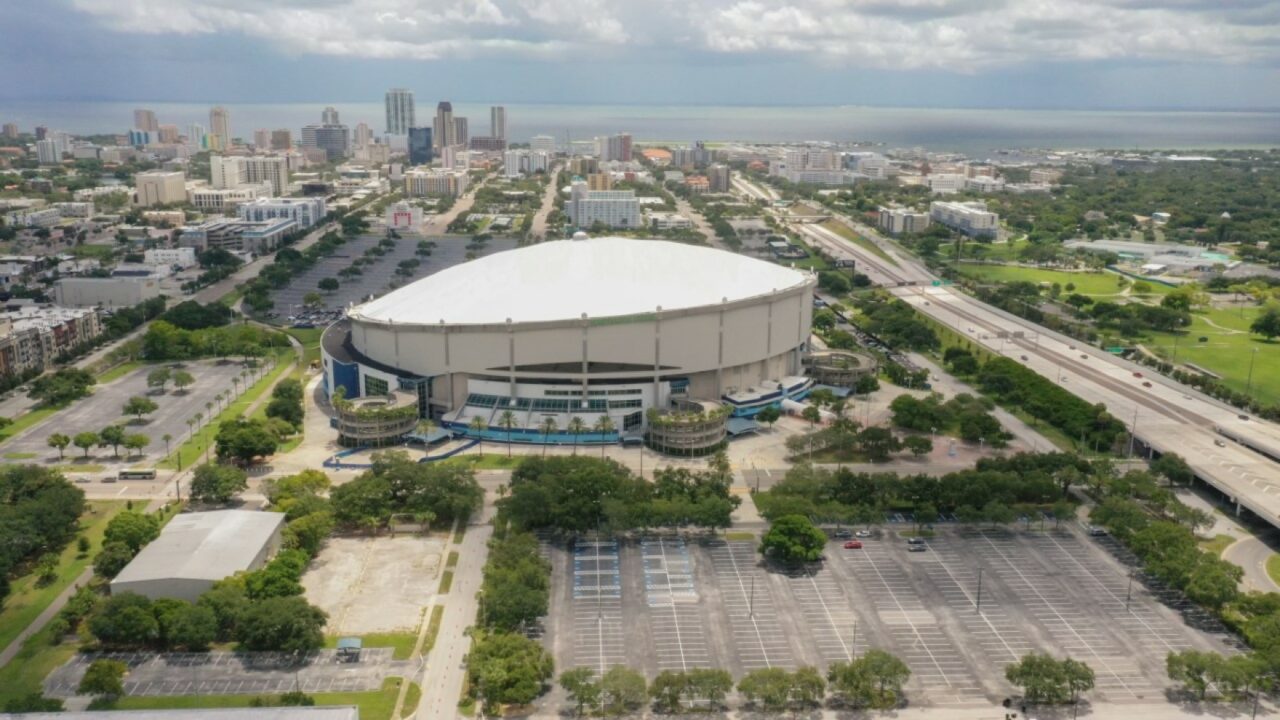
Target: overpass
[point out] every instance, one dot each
(1228, 450)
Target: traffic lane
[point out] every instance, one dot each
(1252, 553)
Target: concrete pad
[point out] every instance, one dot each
(370, 585)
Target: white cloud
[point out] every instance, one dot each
(957, 35)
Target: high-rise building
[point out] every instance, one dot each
(444, 132)
(420, 146)
(168, 134)
(157, 187)
(220, 128)
(612, 208)
(719, 177)
(145, 120)
(141, 138)
(329, 116)
(10, 130)
(421, 183)
(546, 143)
(400, 113)
(282, 139)
(498, 122)
(197, 137)
(335, 140)
(363, 135)
(41, 132)
(618, 148)
(228, 172)
(460, 134)
(47, 152)
(599, 181)
(261, 138)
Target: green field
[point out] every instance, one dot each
(1087, 283)
(847, 233)
(374, 705)
(1227, 352)
(401, 643)
(38, 657)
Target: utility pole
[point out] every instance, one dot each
(1133, 430)
(978, 605)
(1128, 595)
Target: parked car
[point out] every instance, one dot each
(863, 533)
(915, 541)
(1097, 531)
(853, 545)
(843, 534)
(916, 548)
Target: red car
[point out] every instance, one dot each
(853, 545)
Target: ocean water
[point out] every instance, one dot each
(974, 132)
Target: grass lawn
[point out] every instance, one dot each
(19, 456)
(38, 657)
(96, 251)
(847, 233)
(453, 559)
(401, 643)
(1087, 283)
(374, 705)
(1217, 544)
(118, 372)
(446, 582)
(433, 628)
(27, 420)
(1227, 352)
(739, 535)
(490, 460)
(70, 468)
(191, 450)
(1273, 568)
(26, 599)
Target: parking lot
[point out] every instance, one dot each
(225, 673)
(973, 601)
(378, 277)
(104, 408)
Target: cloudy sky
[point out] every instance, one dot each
(961, 53)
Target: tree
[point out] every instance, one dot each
(125, 620)
(103, 678)
(508, 668)
(710, 685)
(1174, 469)
(769, 415)
(217, 484)
(507, 421)
(32, 703)
(1214, 582)
(193, 627)
(582, 688)
(159, 378)
(1267, 324)
(576, 428)
(1079, 677)
(771, 688)
(132, 529)
(139, 406)
(603, 426)
(112, 435)
(918, 444)
(793, 539)
(244, 440)
(547, 427)
(111, 559)
(1192, 668)
(1042, 679)
(811, 414)
(668, 689)
(281, 624)
(808, 686)
(136, 442)
(478, 426)
(877, 443)
(183, 379)
(59, 388)
(328, 284)
(85, 440)
(622, 690)
(59, 441)
(312, 299)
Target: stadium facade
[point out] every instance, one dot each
(543, 340)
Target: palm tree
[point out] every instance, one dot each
(199, 418)
(166, 438)
(235, 380)
(548, 426)
(479, 425)
(191, 423)
(576, 426)
(209, 408)
(425, 426)
(507, 421)
(604, 426)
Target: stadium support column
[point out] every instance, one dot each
(511, 358)
(801, 337)
(448, 367)
(720, 350)
(586, 363)
(657, 354)
(768, 332)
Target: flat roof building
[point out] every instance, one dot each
(195, 550)
(327, 712)
(971, 218)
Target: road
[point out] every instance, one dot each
(538, 230)
(699, 223)
(1165, 417)
(1251, 553)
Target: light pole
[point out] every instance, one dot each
(751, 599)
(978, 604)
(1133, 430)
(1249, 385)
(1128, 595)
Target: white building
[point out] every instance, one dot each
(239, 236)
(74, 209)
(945, 183)
(218, 200)
(47, 152)
(400, 111)
(404, 216)
(423, 183)
(667, 221)
(545, 143)
(898, 220)
(984, 183)
(970, 218)
(156, 187)
(195, 550)
(306, 212)
(181, 256)
(613, 208)
(229, 172)
(37, 217)
(525, 162)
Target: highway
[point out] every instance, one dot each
(1166, 417)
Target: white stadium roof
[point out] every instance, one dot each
(560, 280)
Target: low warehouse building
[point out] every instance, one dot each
(195, 550)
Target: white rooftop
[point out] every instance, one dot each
(204, 545)
(559, 280)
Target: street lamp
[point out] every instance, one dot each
(1249, 385)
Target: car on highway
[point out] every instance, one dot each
(1024, 358)
(1243, 417)
(1146, 384)
(1220, 443)
(1083, 356)
(853, 545)
(1137, 374)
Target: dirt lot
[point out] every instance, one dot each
(370, 585)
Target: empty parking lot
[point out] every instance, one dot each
(957, 613)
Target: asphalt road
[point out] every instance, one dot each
(1251, 553)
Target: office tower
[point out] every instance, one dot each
(335, 140)
(47, 152)
(156, 187)
(617, 147)
(226, 172)
(261, 138)
(197, 137)
(400, 115)
(145, 120)
(168, 134)
(140, 138)
(219, 128)
(363, 135)
(720, 178)
(329, 116)
(498, 122)
(41, 132)
(546, 143)
(420, 146)
(281, 139)
(444, 133)
(10, 130)
(460, 134)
